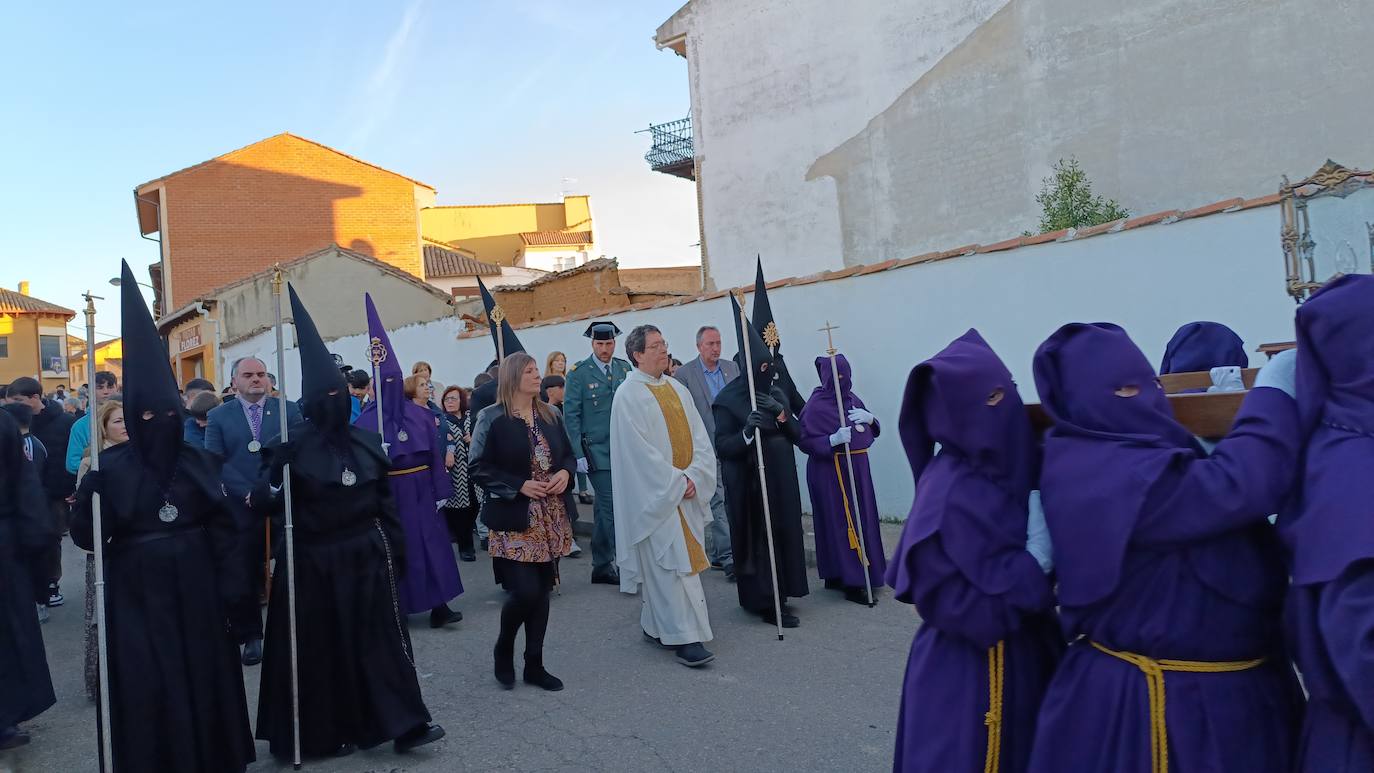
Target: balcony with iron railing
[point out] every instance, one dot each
(671, 151)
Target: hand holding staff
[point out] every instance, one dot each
(763, 477)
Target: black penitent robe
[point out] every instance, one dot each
(744, 502)
(25, 683)
(176, 685)
(357, 683)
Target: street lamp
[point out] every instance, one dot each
(116, 281)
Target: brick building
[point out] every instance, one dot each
(270, 202)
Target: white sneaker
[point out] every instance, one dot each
(574, 551)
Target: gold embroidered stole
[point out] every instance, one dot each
(680, 436)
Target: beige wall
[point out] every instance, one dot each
(331, 286)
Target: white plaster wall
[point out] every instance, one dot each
(775, 84)
(1166, 103)
(931, 123)
(1151, 280)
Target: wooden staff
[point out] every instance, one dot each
(102, 646)
(290, 539)
(763, 477)
(858, 521)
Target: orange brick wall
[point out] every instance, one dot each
(574, 294)
(278, 200)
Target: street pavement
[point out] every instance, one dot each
(824, 699)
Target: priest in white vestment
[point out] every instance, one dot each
(665, 473)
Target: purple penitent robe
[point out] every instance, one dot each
(418, 481)
(1328, 529)
(989, 641)
(1166, 553)
(832, 492)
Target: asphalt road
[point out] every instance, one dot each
(825, 699)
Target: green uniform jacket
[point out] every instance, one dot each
(587, 397)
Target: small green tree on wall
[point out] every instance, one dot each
(1066, 200)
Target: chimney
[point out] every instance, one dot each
(24, 287)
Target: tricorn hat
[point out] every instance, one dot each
(602, 330)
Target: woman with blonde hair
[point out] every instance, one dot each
(522, 459)
(556, 364)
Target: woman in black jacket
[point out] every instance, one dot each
(521, 458)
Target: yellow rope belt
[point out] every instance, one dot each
(848, 517)
(1154, 671)
(408, 470)
(997, 664)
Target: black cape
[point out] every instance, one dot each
(357, 681)
(176, 685)
(25, 683)
(744, 501)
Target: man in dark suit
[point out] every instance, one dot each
(237, 431)
(704, 377)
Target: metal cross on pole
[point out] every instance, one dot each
(856, 522)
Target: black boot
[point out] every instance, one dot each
(505, 665)
(420, 736)
(537, 676)
(441, 616)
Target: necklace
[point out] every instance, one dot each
(541, 449)
(168, 512)
(348, 478)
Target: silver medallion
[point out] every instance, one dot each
(859, 428)
(168, 512)
(254, 447)
(348, 477)
(402, 435)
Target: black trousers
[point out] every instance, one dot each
(247, 618)
(461, 522)
(528, 605)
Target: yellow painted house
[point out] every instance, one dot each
(540, 236)
(33, 338)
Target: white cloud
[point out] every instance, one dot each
(378, 98)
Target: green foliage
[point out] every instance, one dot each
(1066, 200)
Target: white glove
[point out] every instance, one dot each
(1038, 534)
(1226, 379)
(841, 436)
(860, 416)
(582, 465)
(1280, 373)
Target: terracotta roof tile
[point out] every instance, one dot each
(1102, 228)
(14, 302)
(442, 262)
(1262, 201)
(875, 267)
(1005, 244)
(1051, 236)
(556, 238)
(1213, 208)
(1151, 219)
(967, 249)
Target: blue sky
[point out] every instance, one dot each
(487, 101)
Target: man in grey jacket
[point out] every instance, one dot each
(704, 377)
